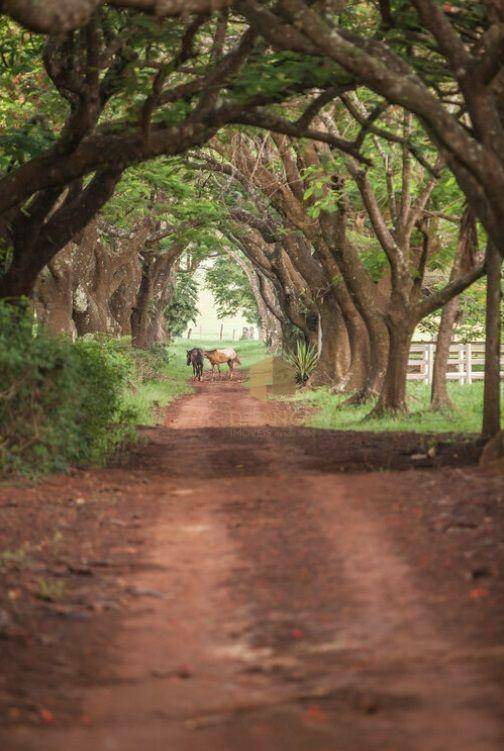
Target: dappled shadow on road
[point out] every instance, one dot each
(241, 450)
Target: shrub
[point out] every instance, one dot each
(150, 364)
(304, 360)
(60, 403)
(146, 364)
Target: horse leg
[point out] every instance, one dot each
(230, 366)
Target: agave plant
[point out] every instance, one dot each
(303, 359)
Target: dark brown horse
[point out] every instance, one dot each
(195, 358)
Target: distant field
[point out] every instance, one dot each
(207, 325)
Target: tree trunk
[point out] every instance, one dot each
(157, 332)
(273, 333)
(156, 287)
(334, 352)
(374, 360)
(139, 314)
(53, 294)
(92, 276)
(123, 300)
(392, 398)
(493, 453)
(464, 261)
(439, 393)
(359, 361)
(491, 398)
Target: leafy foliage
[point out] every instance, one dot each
(231, 290)
(60, 403)
(182, 308)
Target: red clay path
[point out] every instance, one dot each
(277, 603)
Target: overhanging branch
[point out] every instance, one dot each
(277, 124)
(62, 16)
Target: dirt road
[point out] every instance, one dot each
(280, 606)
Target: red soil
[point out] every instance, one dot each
(236, 587)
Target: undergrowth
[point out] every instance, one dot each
(330, 412)
(65, 403)
(74, 404)
(160, 376)
(60, 403)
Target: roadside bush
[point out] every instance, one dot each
(145, 364)
(60, 403)
(149, 364)
(304, 359)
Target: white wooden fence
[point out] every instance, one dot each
(466, 362)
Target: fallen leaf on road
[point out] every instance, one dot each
(478, 593)
(315, 714)
(46, 716)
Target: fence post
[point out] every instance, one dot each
(431, 348)
(220, 333)
(469, 363)
(461, 363)
(425, 363)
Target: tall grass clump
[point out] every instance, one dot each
(304, 359)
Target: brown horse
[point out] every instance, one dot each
(195, 358)
(220, 356)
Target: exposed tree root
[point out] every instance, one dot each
(363, 396)
(493, 453)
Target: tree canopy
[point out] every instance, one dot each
(341, 163)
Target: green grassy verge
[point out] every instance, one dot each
(149, 392)
(464, 418)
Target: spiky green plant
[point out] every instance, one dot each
(304, 359)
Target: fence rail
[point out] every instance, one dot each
(466, 362)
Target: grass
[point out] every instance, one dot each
(464, 418)
(51, 591)
(149, 395)
(157, 391)
(18, 558)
